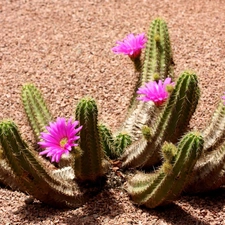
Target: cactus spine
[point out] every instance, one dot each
(215, 132)
(158, 55)
(31, 173)
(170, 126)
(90, 164)
(107, 141)
(165, 185)
(35, 108)
(158, 64)
(7, 176)
(210, 165)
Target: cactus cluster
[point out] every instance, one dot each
(156, 139)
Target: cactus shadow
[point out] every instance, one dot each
(174, 214)
(36, 212)
(102, 205)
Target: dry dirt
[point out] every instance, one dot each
(64, 48)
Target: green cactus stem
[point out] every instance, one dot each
(33, 176)
(107, 141)
(7, 177)
(208, 173)
(214, 133)
(90, 165)
(36, 109)
(157, 61)
(164, 186)
(122, 141)
(170, 126)
(158, 54)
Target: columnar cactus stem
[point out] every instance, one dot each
(158, 64)
(35, 108)
(170, 126)
(158, 54)
(209, 166)
(162, 187)
(31, 173)
(214, 133)
(89, 166)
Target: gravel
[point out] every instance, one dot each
(64, 48)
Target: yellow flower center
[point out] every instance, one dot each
(63, 142)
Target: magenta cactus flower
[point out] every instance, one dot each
(155, 91)
(131, 45)
(59, 139)
(223, 97)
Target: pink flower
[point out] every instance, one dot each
(223, 97)
(60, 138)
(155, 91)
(131, 45)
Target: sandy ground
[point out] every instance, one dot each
(64, 48)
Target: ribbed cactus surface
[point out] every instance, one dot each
(167, 183)
(35, 108)
(158, 64)
(31, 173)
(170, 125)
(90, 164)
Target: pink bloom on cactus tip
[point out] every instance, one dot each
(155, 91)
(131, 45)
(59, 139)
(223, 97)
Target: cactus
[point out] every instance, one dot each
(7, 177)
(90, 165)
(35, 108)
(215, 132)
(167, 183)
(122, 140)
(151, 135)
(33, 176)
(158, 64)
(170, 126)
(107, 141)
(209, 166)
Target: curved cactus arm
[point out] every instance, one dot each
(208, 172)
(158, 64)
(171, 124)
(7, 176)
(89, 166)
(32, 175)
(35, 108)
(166, 185)
(214, 133)
(65, 173)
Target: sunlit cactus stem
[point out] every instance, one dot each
(171, 124)
(166, 184)
(208, 173)
(214, 133)
(90, 165)
(158, 57)
(35, 108)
